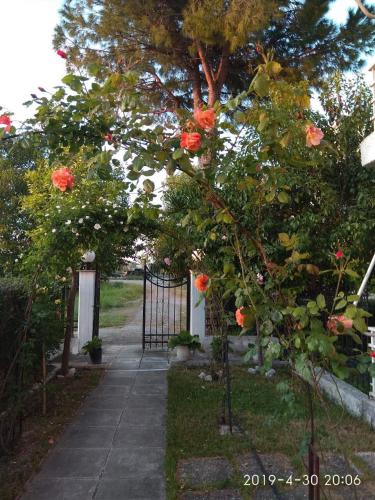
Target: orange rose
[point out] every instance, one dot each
(191, 141)
(240, 318)
(313, 136)
(201, 282)
(63, 178)
(205, 119)
(335, 321)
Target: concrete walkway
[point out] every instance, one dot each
(115, 447)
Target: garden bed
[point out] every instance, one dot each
(40, 433)
(273, 425)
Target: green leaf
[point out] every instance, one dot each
(93, 69)
(270, 196)
(340, 304)
(321, 301)
(353, 298)
(148, 173)
(133, 176)
(179, 153)
(351, 273)
(228, 268)
(261, 85)
(283, 197)
(273, 67)
(148, 186)
(73, 81)
(360, 325)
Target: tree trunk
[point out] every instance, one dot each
(69, 323)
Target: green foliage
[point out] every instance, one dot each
(184, 338)
(92, 345)
(66, 224)
(17, 157)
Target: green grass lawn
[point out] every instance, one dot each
(114, 299)
(269, 425)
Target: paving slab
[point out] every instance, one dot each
(93, 417)
(104, 402)
(148, 417)
(273, 463)
(112, 390)
(136, 462)
(151, 403)
(368, 457)
(79, 462)
(120, 378)
(147, 389)
(203, 471)
(125, 365)
(212, 495)
(333, 463)
(265, 494)
(140, 435)
(151, 488)
(77, 436)
(61, 489)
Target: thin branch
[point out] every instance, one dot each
(366, 12)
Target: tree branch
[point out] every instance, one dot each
(222, 70)
(366, 12)
(196, 79)
(207, 70)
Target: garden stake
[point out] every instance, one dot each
(44, 369)
(228, 388)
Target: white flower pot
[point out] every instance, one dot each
(183, 353)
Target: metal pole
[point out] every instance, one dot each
(188, 300)
(228, 387)
(95, 329)
(144, 308)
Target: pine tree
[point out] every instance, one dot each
(193, 51)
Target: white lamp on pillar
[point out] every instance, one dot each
(88, 257)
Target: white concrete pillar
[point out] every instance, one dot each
(197, 311)
(86, 306)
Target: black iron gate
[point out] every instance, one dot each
(166, 306)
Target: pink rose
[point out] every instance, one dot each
(313, 136)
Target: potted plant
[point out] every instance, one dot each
(184, 343)
(94, 349)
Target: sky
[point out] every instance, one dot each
(27, 59)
